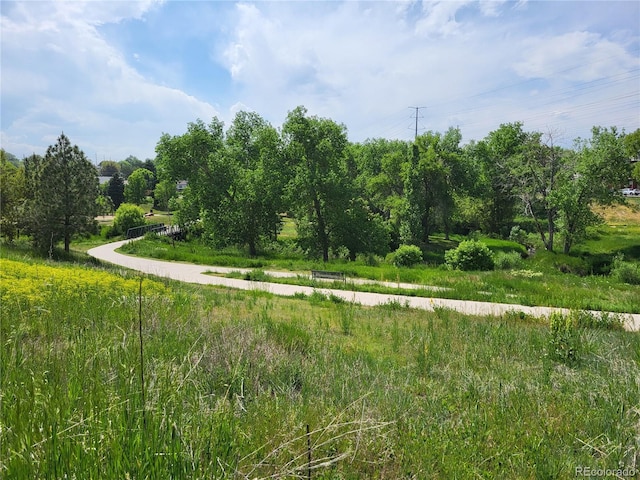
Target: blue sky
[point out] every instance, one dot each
(116, 75)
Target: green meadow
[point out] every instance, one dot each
(105, 373)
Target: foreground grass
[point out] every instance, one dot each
(233, 379)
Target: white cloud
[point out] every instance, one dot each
(440, 18)
(80, 83)
(476, 65)
(576, 56)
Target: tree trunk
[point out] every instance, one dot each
(322, 233)
(67, 235)
(551, 231)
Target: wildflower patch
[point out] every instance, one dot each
(35, 283)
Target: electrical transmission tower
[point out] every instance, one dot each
(417, 109)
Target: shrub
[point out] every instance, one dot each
(128, 216)
(407, 256)
(369, 259)
(507, 260)
(518, 235)
(470, 255)
(625, 272)
(563, 340)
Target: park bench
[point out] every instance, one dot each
(318, 274)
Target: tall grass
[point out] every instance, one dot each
(233, 379)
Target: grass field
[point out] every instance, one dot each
(106, 374)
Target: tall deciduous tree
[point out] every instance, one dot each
(129, 164)
(381, 168)
(591, 176)
(255, 200)
(539, 171)
(197, 156)
(631, 143)
(165, 190)
(318, 194)
(64, 187)
(135, 191)
(108, 168)
(494, 155)
(430, 183)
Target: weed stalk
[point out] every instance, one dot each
(144, 420)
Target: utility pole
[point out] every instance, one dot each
(417, 110)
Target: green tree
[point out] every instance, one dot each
(12, 197)
(135, 191)
(539, 171)
(254, 203)
(631, 143)
(381, 168)
(11, 158)
(318, 191)
(197, 156)
(635, 173)
(129, 164)
(64, 187)
(109, 168)
(115, 190)
(632, 150)
(104, 205)
(494, 155)
(430, 182)
(591, 176)
(163, 193)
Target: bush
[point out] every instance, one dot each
(407, 256)
(563, 341)
(127, 216)
(519, 235)
(369, 259)
(470, 255)
(507, 260)
(625, 272)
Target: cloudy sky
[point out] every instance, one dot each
(115, 75)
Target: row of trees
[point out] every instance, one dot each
(346, 198)
(126, 167)
(372, 197)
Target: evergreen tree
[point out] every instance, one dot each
(115, 190)
(64, 187)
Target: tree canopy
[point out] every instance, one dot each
(345, 198)
(350, 198)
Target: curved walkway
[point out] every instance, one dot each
(196, 274)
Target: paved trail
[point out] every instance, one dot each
(195, 274)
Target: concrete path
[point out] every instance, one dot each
(191, 273)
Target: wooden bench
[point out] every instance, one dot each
(318, 274)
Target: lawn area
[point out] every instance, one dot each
(577, 281)
(108, 374)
